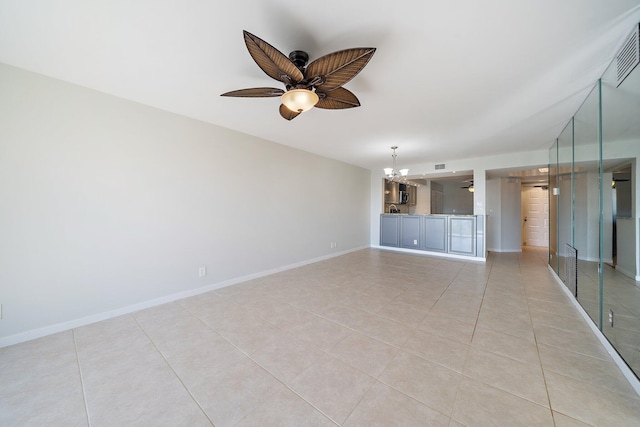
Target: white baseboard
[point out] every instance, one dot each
(428, 253)
(83, 321)
(624, 368)
(627, 273)
(505, 250)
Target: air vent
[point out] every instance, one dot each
(629, 55)
(440, 166)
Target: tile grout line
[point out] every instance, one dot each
(84, 391)
(466, 359)
(265, 369)
(173, 370)
(535, 339)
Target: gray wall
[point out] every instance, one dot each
(504, 231)
(109, 205)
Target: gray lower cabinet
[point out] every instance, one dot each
(435, 230)
(410, 231)
(434, 233)
(462, 235)
(390, 230)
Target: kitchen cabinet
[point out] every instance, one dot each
(435, 228)
(390, 230)
(462, 235)
(391, 192)
(413, 194)
(410, 231)
(453, 234)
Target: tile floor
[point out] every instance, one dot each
(372, 338)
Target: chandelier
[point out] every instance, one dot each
(392, 173)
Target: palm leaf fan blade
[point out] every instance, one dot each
(287, 113)
(338, 68)
(337, 99)
(256, 92)
(273, 62)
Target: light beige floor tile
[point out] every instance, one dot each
(320, 332)
(402, 313)
(443, 351)
(40, 383)
(144, 392)
(193, 363)
(364, 353)
(430, 383)
(448, 327)
(333, 387)
(113, 347)
(419, 300)
(155, 366)
(285, 409)
(366, 302)
(287, 357)
(604, 373)
(516, 348)
(560, 307)
(478, 404)
(586, 344)
(385, 330)
(561, 420)
(460, 309)
(591, 404)
(574, 324)
(231, 394)
(316, 302)
(522, 379)
(385, 407)
(251, 336)
(377, 327)
(502, 322)
(177, 331)
(205, 304)
(288, 317)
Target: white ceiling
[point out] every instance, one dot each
(449, 79)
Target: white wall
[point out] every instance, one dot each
(510, 214)
(423, 199)
(108, 204)
(456, 200)
(494, 215)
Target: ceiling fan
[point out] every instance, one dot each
(469, 186)
(318, 84)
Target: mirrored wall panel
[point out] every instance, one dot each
(595, 209)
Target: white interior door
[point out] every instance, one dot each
(536, 216)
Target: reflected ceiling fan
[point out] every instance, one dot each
(469, 187)
(318, 84)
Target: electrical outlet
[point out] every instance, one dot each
(611, 318)
(333, 245)
(202, 271)
(415, 242)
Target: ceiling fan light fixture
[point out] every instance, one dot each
(300, 100)
(471, 190)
